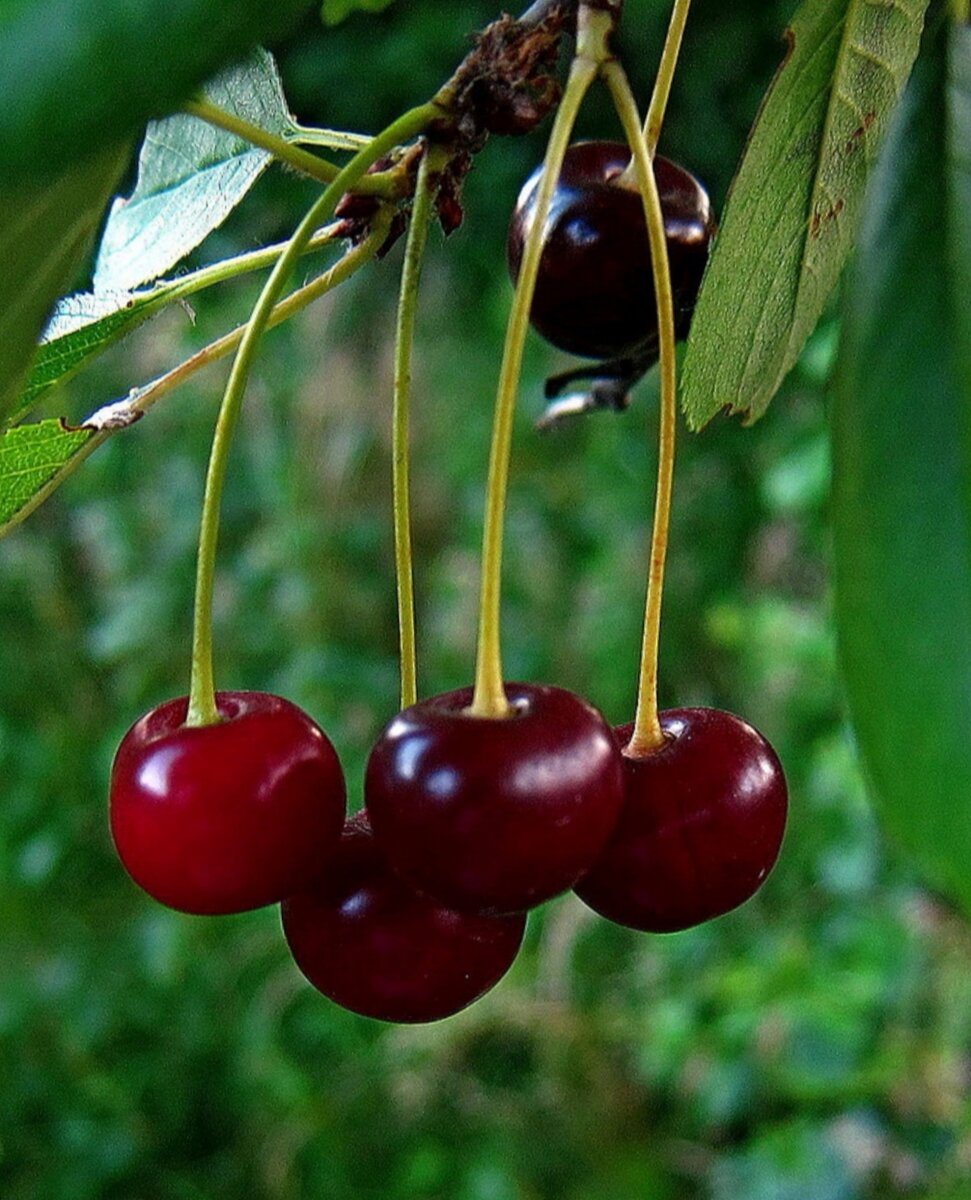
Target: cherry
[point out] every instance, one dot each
(226, 817)
(701, 826)
(595, 292)
(495, 815)
(372, 945)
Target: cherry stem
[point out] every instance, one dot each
(647, 735)
(594, 28)
(665, 75)
(301, 160)
(202, 709)
(422, 211)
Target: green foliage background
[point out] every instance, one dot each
(813, 1046)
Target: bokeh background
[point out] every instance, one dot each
(815, 1045)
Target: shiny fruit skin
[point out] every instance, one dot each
(373, 946)
(700, 829)
(228, 817)
(595, 289)
(494, 816)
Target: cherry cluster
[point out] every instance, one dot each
(416, 906)
(412, 909)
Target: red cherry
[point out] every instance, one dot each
(227, 817)
(700, 829)
(370, 944)
(494, 815)
(595, 289)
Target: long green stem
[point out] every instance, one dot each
(202, 708)
(489, 698)
(647, 735)
(432, 161)
(665, 74)
(301, 160)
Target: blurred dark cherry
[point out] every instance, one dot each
(375, 947)
(595, 290)
(227, 817)
(495, 815)
(700, 829)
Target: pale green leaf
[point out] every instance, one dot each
(44, 231)
(190, 178)
(794, 208)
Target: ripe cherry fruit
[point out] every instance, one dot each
(370, 944)
(494, 816)
(700, 829)
(227, 817)
(595, 291)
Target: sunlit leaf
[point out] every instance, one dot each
(30, 458)
(190, 178)
(793, 211)
(902, 466)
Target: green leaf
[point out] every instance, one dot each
(82, 74)
(335, 11)
(793, 211)
(190, 178)
(44, 230)
(31, 456)
(902, 465)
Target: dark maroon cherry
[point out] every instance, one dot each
(227, 817)
(595, 290)
(372, 945)
(700, 829)
(495, 816)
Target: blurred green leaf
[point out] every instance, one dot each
(901, 495)
(335, 11)
(190, 178)
(794, 207)
(44, 231)
(30, 457)
(81, 74)
(794, 1161)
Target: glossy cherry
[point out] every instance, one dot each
(374, 946)
(495, 815)
(226, 817)
(595, 290)
(700, 829)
